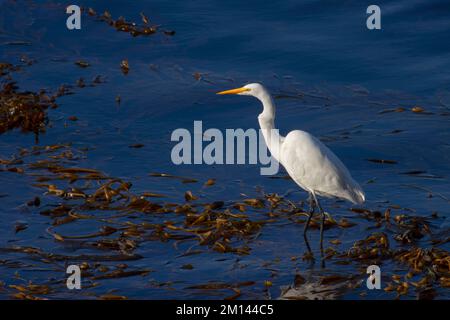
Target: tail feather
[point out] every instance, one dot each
(358, 196)
(361, 197)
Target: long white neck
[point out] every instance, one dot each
(266, 121)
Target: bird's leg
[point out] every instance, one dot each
(310, 214)
(322, 222)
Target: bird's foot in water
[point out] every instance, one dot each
(308, 256)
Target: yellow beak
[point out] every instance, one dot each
(234, 91)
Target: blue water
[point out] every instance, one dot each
(321, 49)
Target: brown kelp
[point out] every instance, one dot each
(21, 109)
(73, 194)
(27, 110)
(132, 28)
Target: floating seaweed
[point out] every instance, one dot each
(132, 28)
(24, 110)
(125, 66)
(212, 224)
(82, 63)
(384, 161)
(74, 194)
(27, 110)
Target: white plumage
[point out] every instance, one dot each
(313, 166)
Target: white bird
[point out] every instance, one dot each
(314, 167)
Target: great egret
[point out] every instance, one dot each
(313, 166)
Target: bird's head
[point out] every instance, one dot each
(251, 89)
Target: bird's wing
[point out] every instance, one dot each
(316, 168)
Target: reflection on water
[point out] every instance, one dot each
(353, 88)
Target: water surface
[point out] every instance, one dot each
(333, 78)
